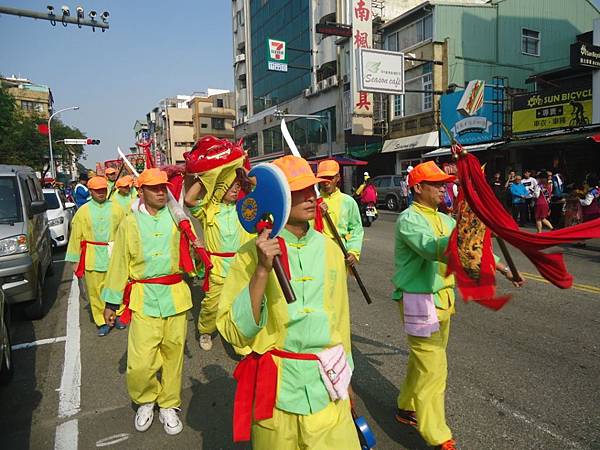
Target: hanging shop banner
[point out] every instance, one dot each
(486, 121)
(362, 37)
(380, 71)
(585, 55)
(276, 55)
(561, 108)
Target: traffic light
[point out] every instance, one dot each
(92, 141)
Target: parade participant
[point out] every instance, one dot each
(92, 232)
(81, 193)
(342, 208)
(111, 176)
(145, 272)
(125, 194)
(294, 407)
(420, 281)
(211, 200)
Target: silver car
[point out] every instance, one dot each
(25, 245)
(391, 191)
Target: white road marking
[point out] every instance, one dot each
(39, 342)
(538, 425)
(58, 260)
(70, 383)
(111, 440)
(66, 436)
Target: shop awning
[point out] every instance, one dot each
(365, 150)
(442, 151)
(341, 160)
(408, 143)
(555, 137)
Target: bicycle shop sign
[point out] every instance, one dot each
(563, 108)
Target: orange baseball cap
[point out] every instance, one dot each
(110, 170)
(328, 168)
(97, 183)
(125, 181)
(152, 177)
(297, 171)
(428, 171)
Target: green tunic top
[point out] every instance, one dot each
(145, 247)
(345, 214)
(96, 222)
(318, 319)
(422, 236)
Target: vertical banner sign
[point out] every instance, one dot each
(362, 37)
(276, 56)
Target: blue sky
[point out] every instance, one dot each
(153, 49)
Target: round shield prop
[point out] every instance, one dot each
(270, 200)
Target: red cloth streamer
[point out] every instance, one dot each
(475, 271)
(166, 280)
(319, 225)
(486, 206)
(256, 390)
(80, 271)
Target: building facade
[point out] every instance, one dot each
(213, 113)
(449, 44)
(31, 98)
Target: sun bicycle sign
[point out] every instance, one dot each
(276, 56)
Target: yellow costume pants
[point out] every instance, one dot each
(207, 322)
(424, 387)
(156, 343)
(329, 429)
(94, 282)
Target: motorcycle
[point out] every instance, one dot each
(368, 213)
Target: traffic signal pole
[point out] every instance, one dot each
(64, 19)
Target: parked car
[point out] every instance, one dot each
(25, 244)
(389, 191)
(6, 366)
(60, 214)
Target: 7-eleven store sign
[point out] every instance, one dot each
(276, 55)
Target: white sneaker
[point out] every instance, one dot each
(144, 416)
(205, 342)
(169, 418)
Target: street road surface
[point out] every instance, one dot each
(526, 377)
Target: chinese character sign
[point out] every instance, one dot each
(362, 37)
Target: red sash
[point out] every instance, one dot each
(166, 280)
(208, 267)
(80, 271)
(257, 389)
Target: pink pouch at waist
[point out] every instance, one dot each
(420, 318)
(335, 372)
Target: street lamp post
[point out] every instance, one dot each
(52, 167)
(318, 118)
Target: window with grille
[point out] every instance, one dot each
(530, 42)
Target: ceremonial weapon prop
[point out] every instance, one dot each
(338, 239)
(268, 205)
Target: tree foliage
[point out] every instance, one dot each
(22, 143)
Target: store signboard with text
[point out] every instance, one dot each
(276, 55)
(483, 124)
(380, 71)
(560, 108)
